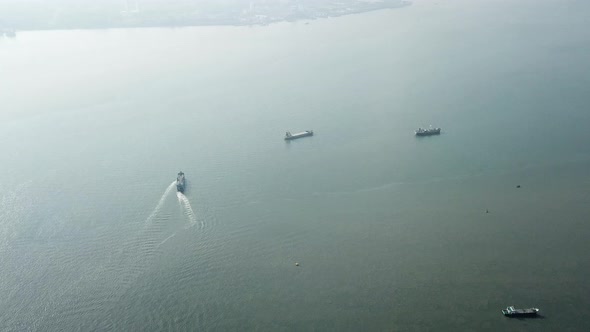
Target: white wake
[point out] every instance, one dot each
(188, 209)
(161, 202)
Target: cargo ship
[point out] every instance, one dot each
(511, 312)
(289, 136)
(427, 132)
(180, 182)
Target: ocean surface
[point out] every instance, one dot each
(390, 230)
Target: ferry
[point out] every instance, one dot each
(289, 136)
(427, 132)
(511, 312)
(180, 182)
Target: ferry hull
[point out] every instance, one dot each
(180, 182)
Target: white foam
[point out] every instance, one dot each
(161, 202)
(166, 239)
(188, 209)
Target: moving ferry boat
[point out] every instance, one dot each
(180, 182)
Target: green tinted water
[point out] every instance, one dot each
(390, 230)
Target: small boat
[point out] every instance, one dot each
(289, 136)
(427, 132)
(180, 182)
(511, 312)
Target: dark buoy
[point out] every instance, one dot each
(518, 186)
(487, 211)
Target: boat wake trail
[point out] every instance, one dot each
(166, 239)
(114, 276)
(188, 209)
(160, 203)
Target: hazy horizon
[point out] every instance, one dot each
(72, 14)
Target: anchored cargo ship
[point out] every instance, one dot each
(427, 132)
(289, 136)
(180, 182)
(511, 312)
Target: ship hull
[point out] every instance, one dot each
(299, 135)
(511, 312)
(528, 314)
(428, 133)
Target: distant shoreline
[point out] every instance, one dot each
(254, 20)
